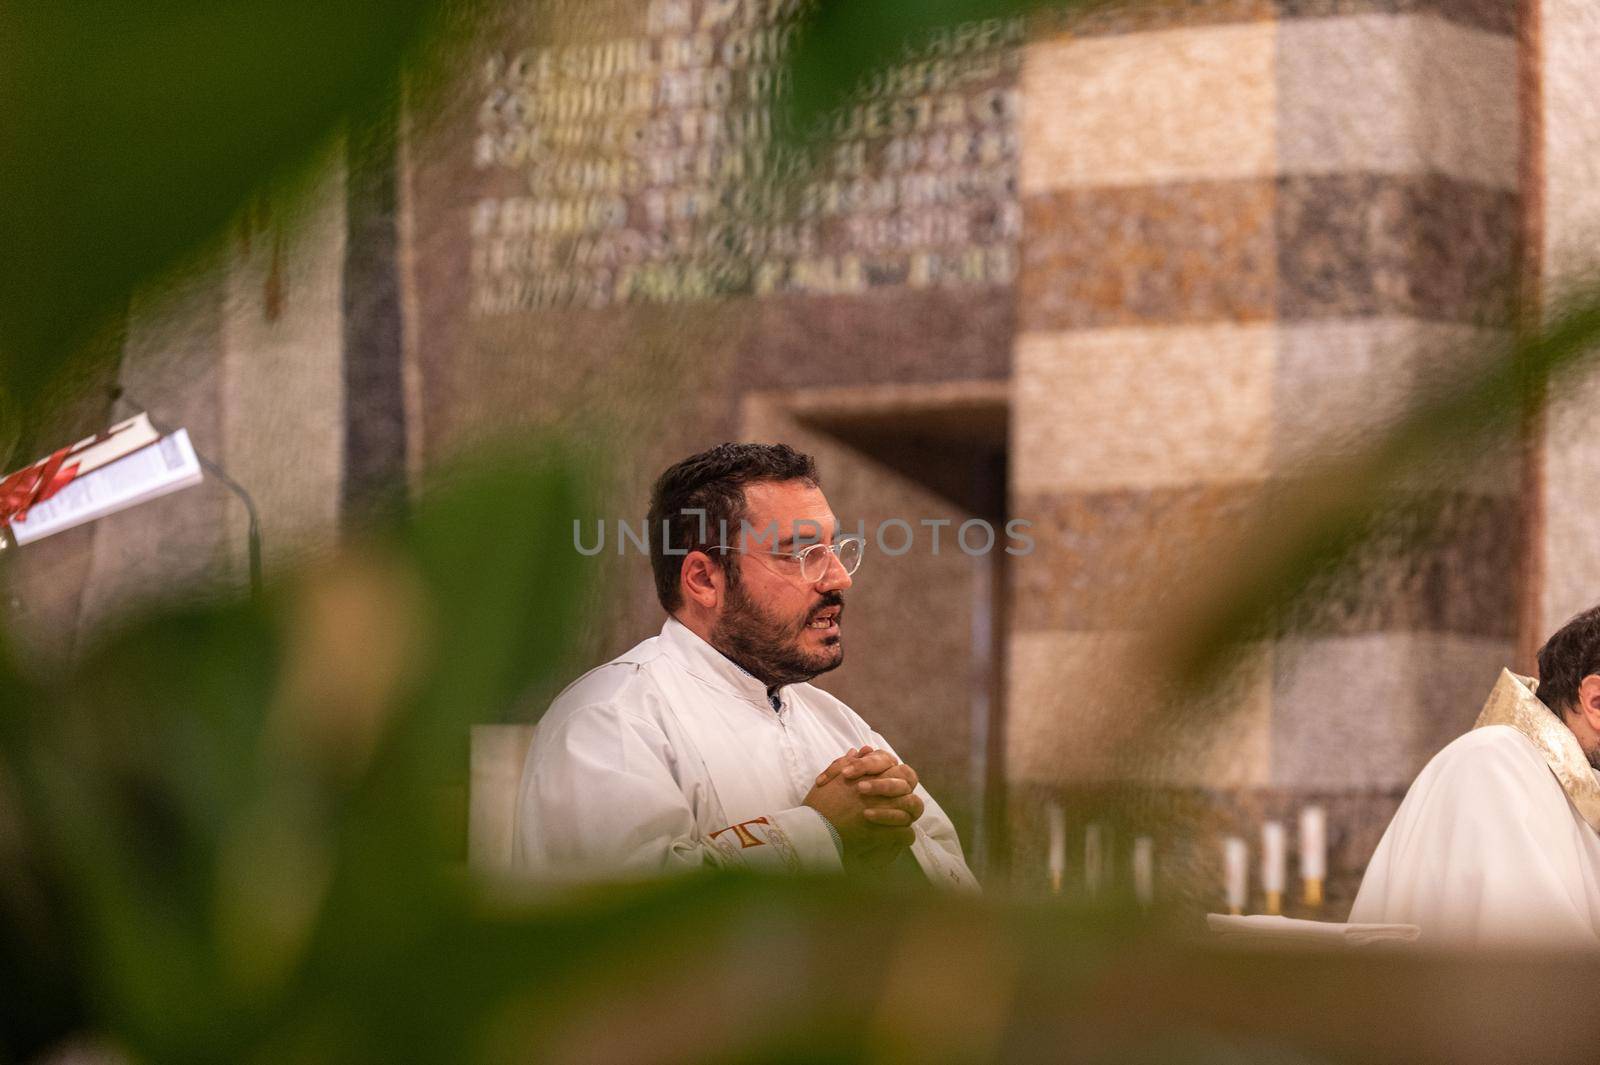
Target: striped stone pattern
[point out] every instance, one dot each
(1252, 232)
(1569, 262)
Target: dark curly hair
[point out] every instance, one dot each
(1566, 658)
(712, 481)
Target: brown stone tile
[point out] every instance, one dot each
(1446, 564)
(585, 372)
(903, 336)
(1102, 560)
(1166, 254)
(1496, 16)
(1144, 16)
(1366, 244)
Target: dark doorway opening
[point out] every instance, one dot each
(957, 448)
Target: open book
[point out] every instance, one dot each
(122, 467)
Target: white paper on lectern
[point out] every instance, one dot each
(148, 473)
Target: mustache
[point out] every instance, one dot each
(829, 599)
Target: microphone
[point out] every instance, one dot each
(254, 533)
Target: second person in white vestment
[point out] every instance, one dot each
(1495, 843)
(704, 746)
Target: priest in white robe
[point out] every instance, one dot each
(1495, 844)
(704, 746)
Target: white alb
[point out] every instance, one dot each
(1495, 843)
(670, 757)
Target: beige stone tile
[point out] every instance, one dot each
(1142, 408)
(282, 373)
(1570, 86)
(1571, 470)
(1369, 711)
(1343, 381)
(1076, 715)
(1147, 108)
(1402, 94)
(1571, 262)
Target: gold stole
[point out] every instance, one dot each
(1513, 703)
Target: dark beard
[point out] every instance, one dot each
(1594, 758)
(769, 649)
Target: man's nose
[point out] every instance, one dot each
(835, 579)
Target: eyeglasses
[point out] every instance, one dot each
(812, 561)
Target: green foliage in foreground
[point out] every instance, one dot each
(220, 837)
(223, 810)
(134, 130)
(220, 840)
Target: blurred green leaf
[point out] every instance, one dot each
(131, 132)
(227, 801)
(495, 549)
(842, 42)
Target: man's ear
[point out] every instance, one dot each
(1589, 700)
(702, 580)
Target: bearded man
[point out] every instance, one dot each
(1495, 843)
(704, 746)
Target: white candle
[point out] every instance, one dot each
(1313, 843)
(1236, 865)
(1274, 864)
(1094, 859)
(1056, 819)
(1144, 870)
(1274, 856)
(1313, 852)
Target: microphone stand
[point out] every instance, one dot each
(254, 533)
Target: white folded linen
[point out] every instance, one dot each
(1262, 930)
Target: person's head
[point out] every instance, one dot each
(744, 591)
(1569, 679)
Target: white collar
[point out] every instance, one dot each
(707, 663)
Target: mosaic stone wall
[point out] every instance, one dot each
(1569, 210)
(1250, 229)
(1169, 253)
(605, 238)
